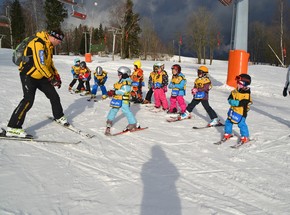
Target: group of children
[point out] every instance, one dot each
(82, 74)
(129, 89)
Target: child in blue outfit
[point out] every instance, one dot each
(75, 70)
(178, 86)
(240, 99)
(121, 100)
(100, 78)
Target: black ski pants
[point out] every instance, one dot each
(29, 87)
(82, 83)
(212, 114)
(149, 95)
(72, 83)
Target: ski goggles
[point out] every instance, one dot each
(242, 81)
(200, 72)
(174, 68)
(58, 36)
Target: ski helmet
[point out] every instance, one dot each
(159, 65)
(244, 79)
(83, 64)
(77, 60)
(99, 70)
(202, 70)
(137, 63)
(177, 67)
(124, 71)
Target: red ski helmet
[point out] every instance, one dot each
(177, 67)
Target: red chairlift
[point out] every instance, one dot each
(76, 13)
(68, 2)
(226, 2)
(4, 22)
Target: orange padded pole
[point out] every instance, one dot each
(238, 64)
(88, 57)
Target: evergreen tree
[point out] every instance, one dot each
(78, 33)
(17, 22)
(101, 33)
(130, 32)
(55, 14)
(96, 35)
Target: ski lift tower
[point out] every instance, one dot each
(1, 37)
(5, 21)
(115, 32)
(238, 56)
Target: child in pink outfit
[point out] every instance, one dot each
(178, 85)
(160, 82)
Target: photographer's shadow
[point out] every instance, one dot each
(159, 176)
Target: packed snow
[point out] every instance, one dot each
(168, 169)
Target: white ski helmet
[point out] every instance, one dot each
(159, 64)
(99, 70)
(124, 70)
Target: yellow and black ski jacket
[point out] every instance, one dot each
(40, 64)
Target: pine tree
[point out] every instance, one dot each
(55, 14)
(100, 33)
(130, 32)
(17, 22)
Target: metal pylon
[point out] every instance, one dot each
(239, 33)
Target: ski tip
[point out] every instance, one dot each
(3, 131)
(236, 146)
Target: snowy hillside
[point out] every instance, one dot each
(168, 169)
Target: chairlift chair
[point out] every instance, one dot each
(78, 15)
(226, 2)
(76, 11)
(4, 22)
(68, 2)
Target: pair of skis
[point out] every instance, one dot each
(178, 118)
(108, 132)
(235, 146)
(30, 138)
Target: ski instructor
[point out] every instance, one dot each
(38, 72)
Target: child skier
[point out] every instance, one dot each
(160, 82)
(100, 78)
(178, 85)
(200, 92)
(149, 94)
(121, 99)
(84, 78)
(75, 70)
(239, 99)
(137, 83)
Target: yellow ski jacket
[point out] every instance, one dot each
(40, 52)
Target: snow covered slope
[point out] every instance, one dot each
(167, 169)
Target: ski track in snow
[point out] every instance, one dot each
(177, 167)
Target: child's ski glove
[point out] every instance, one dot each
(111, 93)
(234, 103)
(194, 91)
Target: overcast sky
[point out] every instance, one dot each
(169, 16)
